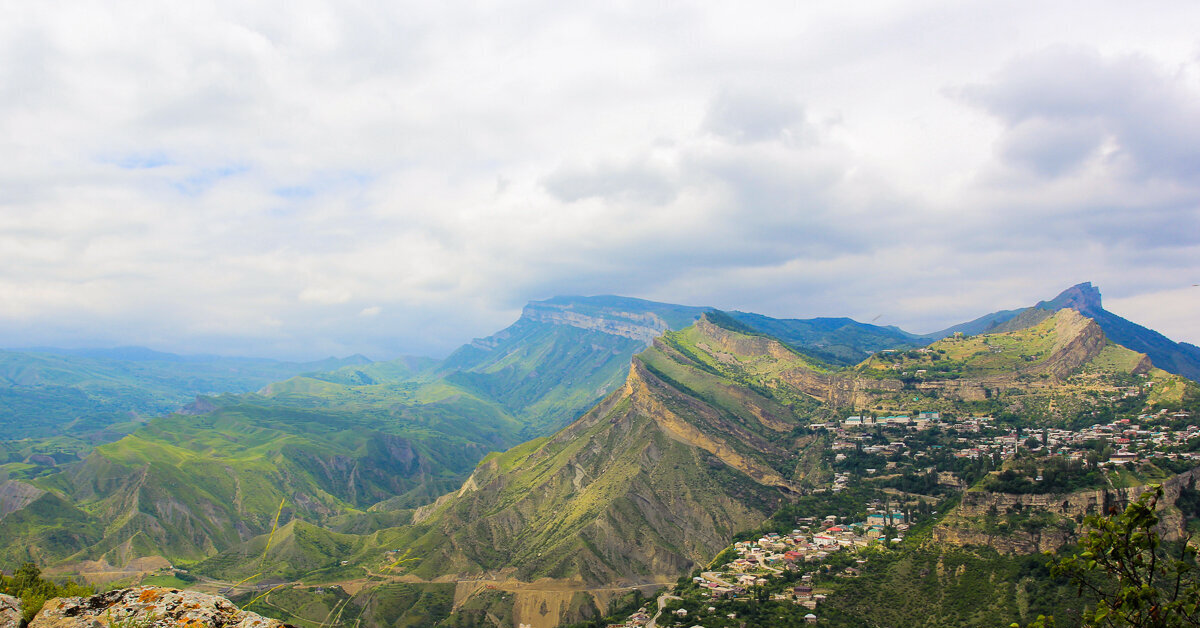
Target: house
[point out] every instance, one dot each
(1123, 457)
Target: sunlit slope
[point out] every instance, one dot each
(1063, 368)
(697, 444)
(1180, 358)
(190, 486)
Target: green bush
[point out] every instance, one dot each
(27, 584)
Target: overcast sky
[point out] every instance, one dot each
(305, 179)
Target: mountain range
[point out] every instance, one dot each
(596, 443)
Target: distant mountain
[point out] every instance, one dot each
(51, 392)
(1180, 358)
(838, 341)
(562, 356)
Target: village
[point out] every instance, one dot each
(798, 568)
(904, 444)
(781, 568)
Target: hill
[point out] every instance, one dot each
(50, 392)
(382, 436)
(836, 341)
(1180, 358)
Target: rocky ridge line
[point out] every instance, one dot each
(149, 607)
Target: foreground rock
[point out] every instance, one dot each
(148, 607)
(10, 612)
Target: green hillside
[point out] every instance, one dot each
(679, 434)
(51, 392)
(382, 437)
(838, 341)
(696, 446)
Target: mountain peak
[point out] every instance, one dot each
(1082, 297)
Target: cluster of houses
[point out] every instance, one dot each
(1131, 440)
(921, 421)
(805, 549)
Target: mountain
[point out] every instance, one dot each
(562, 355)
(697, 444)
(1180, 358)
(598, 443)
(837, 341)
(384, 436)
(708, 434)
(49, 392)
(716, 427)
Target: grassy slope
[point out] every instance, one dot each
(45, 394)
(563, 506)
(838, 341)
(931, 586)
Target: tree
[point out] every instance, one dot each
(1136, 578)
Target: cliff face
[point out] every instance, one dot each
(1077, 341)
(151, 607)
(963, 526)
(652, 481)
(643, 326)
(16, 495)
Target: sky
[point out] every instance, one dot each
(306, 179)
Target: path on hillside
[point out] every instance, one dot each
(662, 602)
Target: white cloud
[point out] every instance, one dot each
(229, 178)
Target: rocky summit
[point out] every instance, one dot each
(148, 607)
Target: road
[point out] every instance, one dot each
(713, 576)
(662, 601)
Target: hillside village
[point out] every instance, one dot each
(878, 450)
(781, 568)
(950, 454)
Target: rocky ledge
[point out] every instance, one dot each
(147, 607)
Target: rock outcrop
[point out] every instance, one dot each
(16, 495)
(148, 607)
(10, 612)
(961, 527)
(643, 326)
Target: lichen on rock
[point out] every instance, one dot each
(10, 612)
(148, 607)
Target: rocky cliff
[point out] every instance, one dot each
(643, 326)
(652, 481)
(966, 525)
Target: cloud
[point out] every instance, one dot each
(634, 182)
(741, 116)
(385, 178)
(1060, 104)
